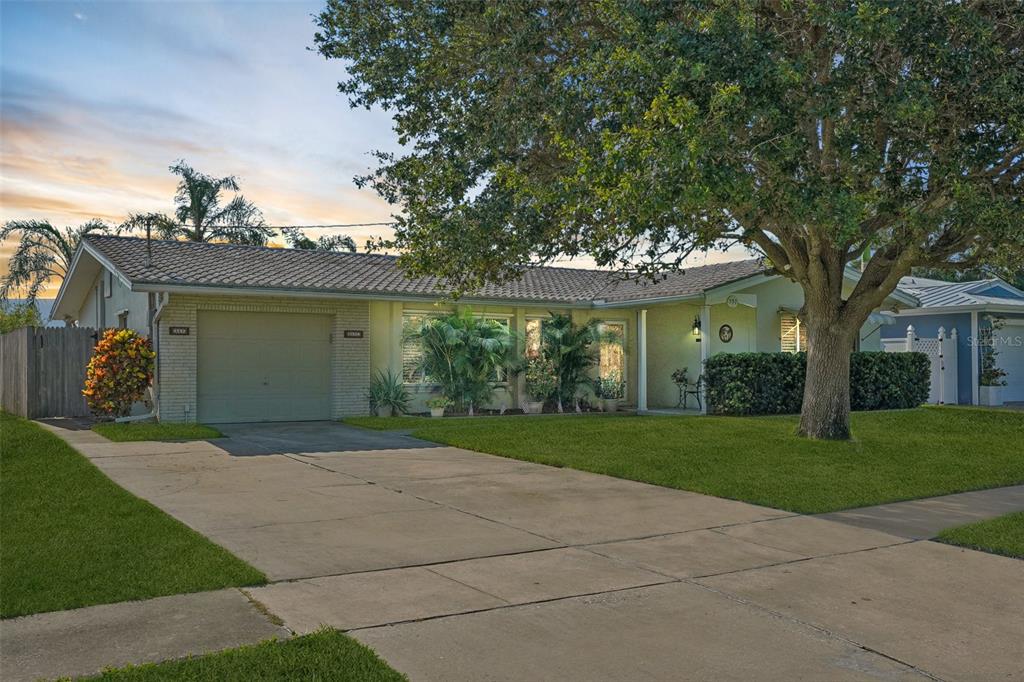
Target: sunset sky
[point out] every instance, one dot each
(98, 99)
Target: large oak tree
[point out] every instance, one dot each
(637, 132)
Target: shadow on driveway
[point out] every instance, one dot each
(298, 438)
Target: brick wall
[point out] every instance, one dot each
(350, 357)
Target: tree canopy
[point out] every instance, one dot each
(43, 253)
(200, 215)
(638, 132)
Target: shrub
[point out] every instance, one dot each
(610, 387)
(464, 354)
(773, 383)
(541, 381)
(120, 370)
(572, 350)
(386, 390)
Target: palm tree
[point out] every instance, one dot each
(573, 350)
(298, 240)
(44, 253)
(200, 217)
(464, 354)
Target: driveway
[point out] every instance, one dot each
(455, 565)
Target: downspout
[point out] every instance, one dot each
(154, 335)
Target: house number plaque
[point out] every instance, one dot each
(353, 333)
(179, 331)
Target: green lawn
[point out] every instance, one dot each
(71, 537)
(155, 431)
(897, 455)
(1003, 535)
(323, 655)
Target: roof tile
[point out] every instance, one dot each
(237, 266)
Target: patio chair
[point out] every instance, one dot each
(695, 392)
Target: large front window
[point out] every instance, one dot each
(412, 350)
(612, 353)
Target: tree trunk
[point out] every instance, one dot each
(826, 408)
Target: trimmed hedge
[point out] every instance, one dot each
(773, 383)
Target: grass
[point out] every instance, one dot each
(1003, 535)
(155, 431)
(323, 655)
(897, 455)
(71, 537)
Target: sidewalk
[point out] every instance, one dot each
(926, 518)
(87, 640)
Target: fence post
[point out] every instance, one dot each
(910, 338)
(942, 366)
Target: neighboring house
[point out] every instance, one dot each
(252, 334)
(969, 308)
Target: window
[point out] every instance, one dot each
(532, 336)
(411, 351)
(612, 355)
(793, 334)
(122, 319)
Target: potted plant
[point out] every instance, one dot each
(680, 376)
(991, 380)
(437, 406)
(541, 382)
(387, 394)
(610, 389)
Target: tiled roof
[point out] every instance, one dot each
(935, 293)
(235, 266)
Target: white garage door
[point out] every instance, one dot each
(263, 367)
(1009, 342)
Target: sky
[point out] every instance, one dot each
(97, 99)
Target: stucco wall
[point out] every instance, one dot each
(783, 293)
(350, 357)
(100, 311)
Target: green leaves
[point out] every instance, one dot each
(464, 354)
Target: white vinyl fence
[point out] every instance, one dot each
(941, 350)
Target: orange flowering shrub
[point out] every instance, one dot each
(119, 372)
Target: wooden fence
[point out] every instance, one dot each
(42, 371)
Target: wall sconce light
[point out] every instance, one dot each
(696, 326)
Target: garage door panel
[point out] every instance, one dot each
(263, 366)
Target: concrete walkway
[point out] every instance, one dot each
(924, 519)
(84, 641)
(460, 566)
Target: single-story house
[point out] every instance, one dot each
(970, 308)
(246, 333)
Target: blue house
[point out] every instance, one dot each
(988, 316)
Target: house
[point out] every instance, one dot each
(970, 308)
(247, 333)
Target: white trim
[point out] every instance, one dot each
(342, 295)
(641, 362)
(705, 353)
(975, 358)
(945, 310)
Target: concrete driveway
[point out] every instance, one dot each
(455, 565)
